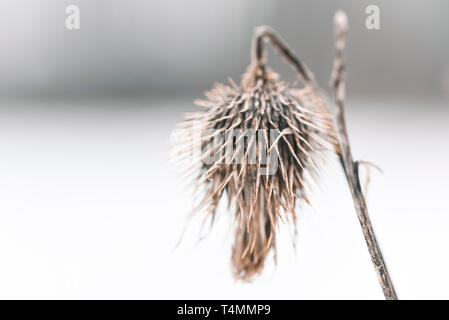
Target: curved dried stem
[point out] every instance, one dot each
(258, 53)
(350, 167)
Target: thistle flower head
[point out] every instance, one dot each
(261, 143)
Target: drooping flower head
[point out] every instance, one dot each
(260, 143)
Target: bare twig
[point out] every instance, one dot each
(368, 165)
(350, 167)
(258, 53)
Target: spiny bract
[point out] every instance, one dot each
(262, 193)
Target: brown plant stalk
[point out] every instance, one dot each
(351, 167)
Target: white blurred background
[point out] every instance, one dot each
(90, 208)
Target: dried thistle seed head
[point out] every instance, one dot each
(260, 144)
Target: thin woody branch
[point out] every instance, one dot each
(350, 167)
(258, 53)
